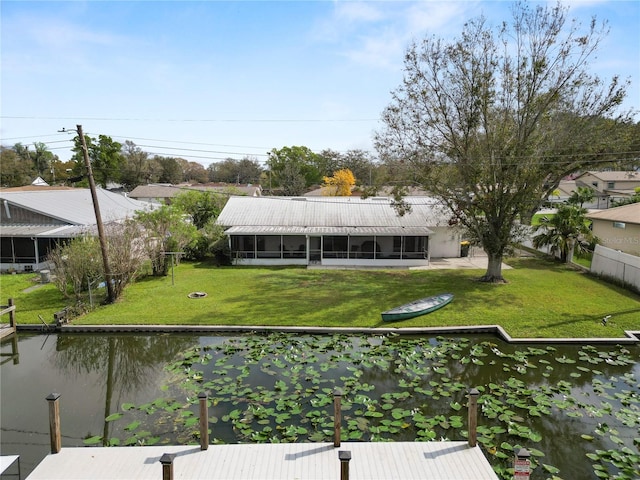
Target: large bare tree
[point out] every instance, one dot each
(492, 120)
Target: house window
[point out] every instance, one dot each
(611, 184)
(595, 184)
(619, 225)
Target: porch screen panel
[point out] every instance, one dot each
(294, 246)
(6, 250)
(414, 247)
(45, 245)
(243, 246)
(386, 247)
(335, 246)
(25, 250)
(356, 247)
(269, 246)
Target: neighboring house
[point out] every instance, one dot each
(382, 192)
(615, 185)
(337, 231)
(34, 220)
(566, 188)
(618, 228)
(162, 194)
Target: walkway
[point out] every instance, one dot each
(476, 262)
(308, 461)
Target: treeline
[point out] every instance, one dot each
(288, 170)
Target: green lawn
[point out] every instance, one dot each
(535, 220)
(31, 298)
(542, 299)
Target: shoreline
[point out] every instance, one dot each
(632, 336)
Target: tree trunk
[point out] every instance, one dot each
(571, 244)
(494, 269)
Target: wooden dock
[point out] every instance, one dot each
(7, 329)
(308, 461)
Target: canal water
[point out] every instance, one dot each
(576, 408)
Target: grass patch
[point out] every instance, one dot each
(31, 297)
(583, 261)
(535, 219)
(542, 299)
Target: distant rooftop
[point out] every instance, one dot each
(626, 213)
(614, 176)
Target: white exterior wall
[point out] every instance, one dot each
(23, 267)
(444, 242)
(270, 262)
(383, 262)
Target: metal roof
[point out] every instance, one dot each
(47, 231)
(155, 191)
(341, 215)
(352, 231)
(74, 206)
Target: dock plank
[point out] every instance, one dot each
(6, 330)
(294, 461)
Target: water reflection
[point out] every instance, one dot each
(278, 387)
(93, 374)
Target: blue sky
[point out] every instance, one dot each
(209, 80)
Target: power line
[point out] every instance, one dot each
(605, 157)
(189, 143)
(182, 149)
(34, 136)
(203, 120)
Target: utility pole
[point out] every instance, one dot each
(96, 207)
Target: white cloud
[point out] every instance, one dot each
(381, 50)
(358, 12)
(440, 18)
(376, 34)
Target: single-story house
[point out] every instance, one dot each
(164, 193)
(35, 219)
(618, 228)
(337, 231)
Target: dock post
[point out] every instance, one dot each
(344, 456)
(12, 316)
(473, 416)
(167, 465)
(337, 416)
(204, 421)
(54, 422)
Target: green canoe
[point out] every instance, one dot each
(417, 307)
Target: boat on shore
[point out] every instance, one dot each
(417, 307)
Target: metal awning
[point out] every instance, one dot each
(45, 231)
(350, 231)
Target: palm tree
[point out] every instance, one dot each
(566, 232)
(581, 195)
